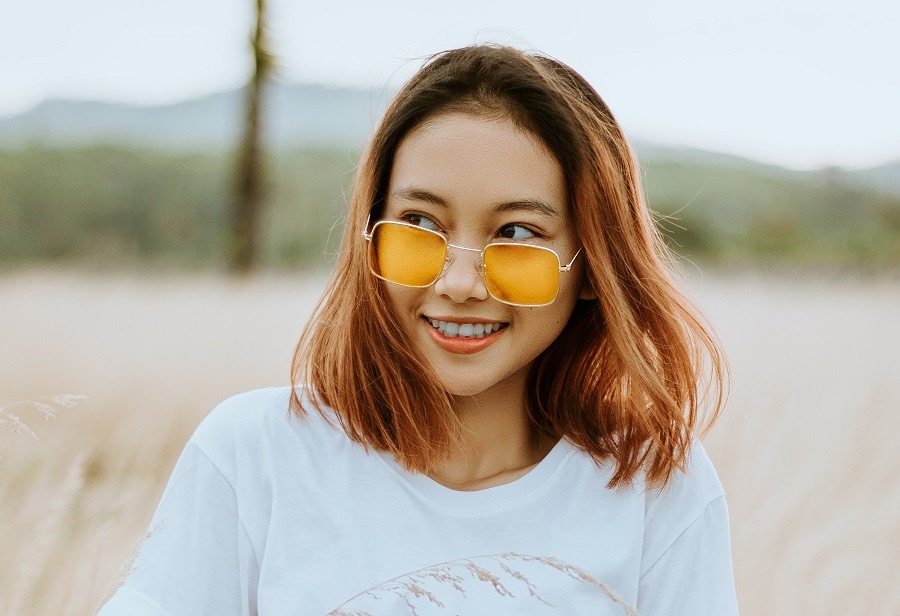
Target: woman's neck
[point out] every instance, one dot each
(499, 441)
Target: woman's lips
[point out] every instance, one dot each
(464, 336)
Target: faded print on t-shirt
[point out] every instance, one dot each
(492, 584)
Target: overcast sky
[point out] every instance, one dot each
(802, 83)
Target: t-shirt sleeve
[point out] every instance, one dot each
(693, 576)
(196, 557)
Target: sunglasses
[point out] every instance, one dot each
(515, 274)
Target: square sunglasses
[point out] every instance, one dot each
(516, 274)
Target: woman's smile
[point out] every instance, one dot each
(464, 337)
(479, 180)
(453, 329)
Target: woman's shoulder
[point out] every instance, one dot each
(691, 489)
(262, 422)
(245, 413)
(693, 496)
(686, 530)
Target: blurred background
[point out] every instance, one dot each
(768, 132)
(173, 181)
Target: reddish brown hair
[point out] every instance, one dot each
(626, 379)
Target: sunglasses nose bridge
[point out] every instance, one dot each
(479, 266)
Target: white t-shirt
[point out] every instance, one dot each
(267, 513)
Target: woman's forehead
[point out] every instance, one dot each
(460, 157)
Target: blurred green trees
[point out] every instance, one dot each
(759, 215)
(106, 206)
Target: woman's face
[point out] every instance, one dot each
(478, 180)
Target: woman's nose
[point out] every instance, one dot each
(461, 279)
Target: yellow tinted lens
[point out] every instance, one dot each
(407, 255)
(521, 274)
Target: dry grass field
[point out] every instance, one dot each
(805, 448)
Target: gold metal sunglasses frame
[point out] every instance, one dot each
(448, 259)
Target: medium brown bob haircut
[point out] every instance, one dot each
(634, 372)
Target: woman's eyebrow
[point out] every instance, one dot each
(412, 193)
(528, 205)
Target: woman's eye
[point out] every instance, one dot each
(420, 220)
(516, 232)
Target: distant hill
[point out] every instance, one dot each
(298, 115)
(304, 115)
(885, 178)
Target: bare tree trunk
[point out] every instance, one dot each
(249, 192)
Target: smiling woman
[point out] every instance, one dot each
(496, 402)
(478, 180)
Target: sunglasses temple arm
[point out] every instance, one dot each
(566, 268)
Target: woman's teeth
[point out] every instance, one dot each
(465, 330)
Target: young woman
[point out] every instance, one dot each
(496, 403)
